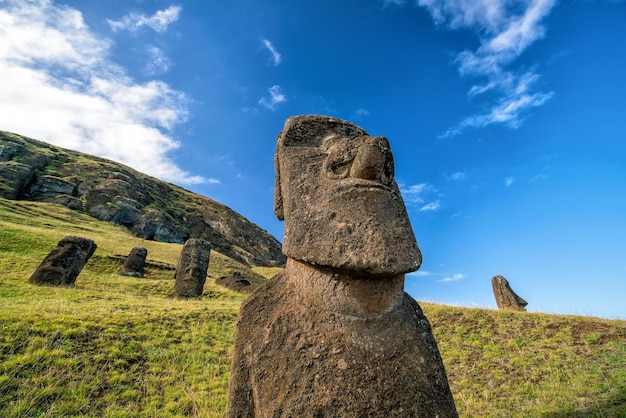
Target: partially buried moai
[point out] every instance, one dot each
(191, 271)
(134, 263)
(64, 263)
(334, 334)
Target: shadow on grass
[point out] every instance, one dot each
(614, 407)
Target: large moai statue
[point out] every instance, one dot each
(192, 268)
(506, 298)
(334, 334)
(134, 263)
(64, 263)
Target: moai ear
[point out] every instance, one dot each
(279, 210)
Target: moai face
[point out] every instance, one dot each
(64, 263)
(341, 205)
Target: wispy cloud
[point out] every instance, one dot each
(276, 96)
(276, 57)
(420, 273)
(415, 193)
(509, 181)
(453, 278)
(158, 21)
(360, 113)
(431, 207)
(59, 85)
(420, 196)
(506, 29)
(158, 62)
(388, 3)
(458, 176)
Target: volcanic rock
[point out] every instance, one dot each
(334, 334)
(506, 298)
(192, 267)
(149, 208)
(134, 263)
(64, 263)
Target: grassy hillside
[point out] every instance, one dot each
(118, 347)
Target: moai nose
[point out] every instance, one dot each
(373, 161)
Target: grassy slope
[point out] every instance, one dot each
(117, 347)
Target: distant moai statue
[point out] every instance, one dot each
(134, 263)
(237, 282)
(506, 298)
(334, 334)
(192, 268)
(65, 262)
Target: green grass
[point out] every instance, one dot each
(116, 346)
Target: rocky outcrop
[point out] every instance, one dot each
(109, 191)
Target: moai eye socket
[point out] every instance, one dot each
(341, 153)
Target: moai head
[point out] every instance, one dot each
(134, 263)
(62, 266)
(341, 205)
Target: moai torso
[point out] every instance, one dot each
(334, 335)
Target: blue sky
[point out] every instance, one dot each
(507, 119)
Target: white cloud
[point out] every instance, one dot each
(505, 28)
(415, 193)
(58, 85)
(360, 113)
(158, 22)
(276, 57)
(453, 278)
(509, 181)
(420, 273)
(158, 62)
(431, 207)
(393, 3)
(276, 97)
(458, 176)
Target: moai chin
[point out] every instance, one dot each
(64, 263)
(335, 334)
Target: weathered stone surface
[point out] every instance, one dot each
(506, 298)
(134, 263)
(192, 267)
(237, 282)
(15, 176)
(336, 183)
(334, 334)
(10, 150)
(50, 186)
(70, 202)
(108, 191)
(154, 225)
(65, 262)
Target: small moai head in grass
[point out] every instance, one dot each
(336, 192)
(134, 263)
(506, 298)
(192, 268)
(64, 263)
